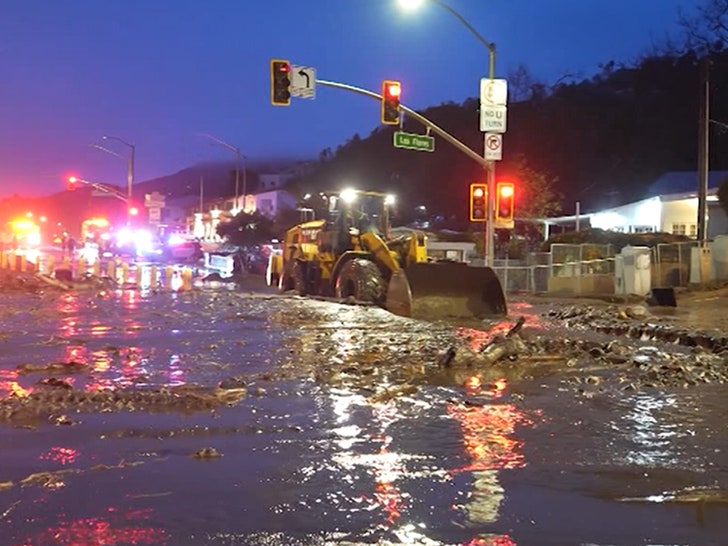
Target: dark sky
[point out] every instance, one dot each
(156, 73)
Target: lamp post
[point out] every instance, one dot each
(238, 158)
(490, 169)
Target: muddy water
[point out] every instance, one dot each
(349, 433)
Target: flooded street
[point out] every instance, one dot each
(221, 417)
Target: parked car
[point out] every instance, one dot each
(183, 250)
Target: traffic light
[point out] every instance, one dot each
(133, 211)
(505, 193)
(280, 82)
(71, 183)
(478, 202)
(391, 92)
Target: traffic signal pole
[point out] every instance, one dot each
(418, 117)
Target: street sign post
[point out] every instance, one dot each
(303, 81)
(409, 141)
(493, 109)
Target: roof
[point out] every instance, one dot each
(676, 182)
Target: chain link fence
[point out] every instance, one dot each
(671, 263)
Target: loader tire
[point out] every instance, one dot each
(298, 277)
(362, 280)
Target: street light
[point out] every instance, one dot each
(490, 170)
(238, 157)
(129, 160)
(100, 186)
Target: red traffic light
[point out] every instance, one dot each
(505, 189)
(71, 184)
(504, 206)
(133, 211)
(280, 82)
(393, 89)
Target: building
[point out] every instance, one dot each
(672, 208)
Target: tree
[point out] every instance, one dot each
(723, 195)
(708, 31)
(247, 230)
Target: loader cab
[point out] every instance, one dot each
(358, 212)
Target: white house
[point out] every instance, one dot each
(270, 203)
(673, 208)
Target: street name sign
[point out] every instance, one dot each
(409, 141)
(303, 81)
(493, 146)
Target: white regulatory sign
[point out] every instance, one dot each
(493, 146)
(155, 215)
(493, 92)
(303, 81)
(493, 119)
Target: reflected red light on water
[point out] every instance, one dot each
(487, 435)
(130, 299)
(76, 353)
(98, 531)
(62, 455)
(473, 382)
(495, 389)
(9, 385)
(497, 540)
(68, 309)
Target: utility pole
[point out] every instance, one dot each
(703, 150)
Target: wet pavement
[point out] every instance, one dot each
(223, 416)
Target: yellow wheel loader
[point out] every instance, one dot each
(353, 254)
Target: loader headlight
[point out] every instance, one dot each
(348, 195)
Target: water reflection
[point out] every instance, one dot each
(130, 300)
(487, 427)
(9, 385)
(116, 529)
(175, 373)
(61, 455)
(653, 437)
(384, 466)
(68, 309)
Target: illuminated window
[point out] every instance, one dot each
(679, 229)
(643, 229)
(693, 230)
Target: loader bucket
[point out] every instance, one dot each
(432, 290)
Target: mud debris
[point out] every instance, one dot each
(636, 323)
(52, 403)
(207, 453)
